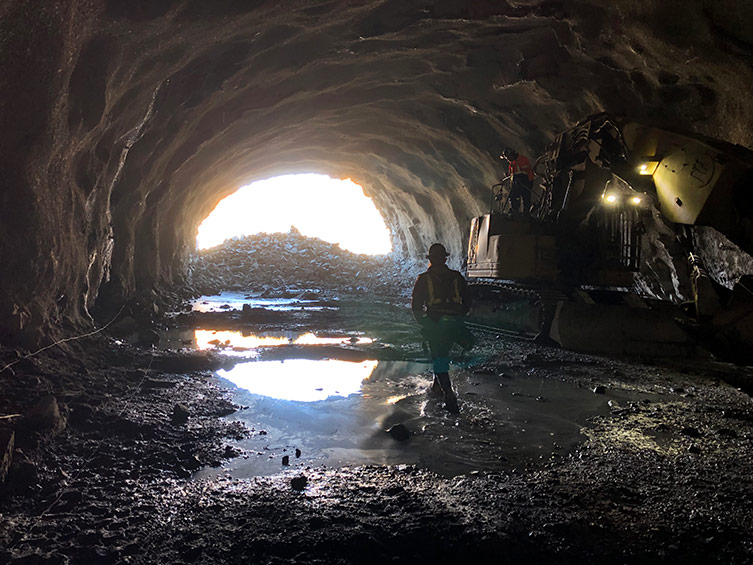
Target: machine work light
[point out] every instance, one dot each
(648, 167)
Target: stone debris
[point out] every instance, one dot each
(22, 471)
(7, 443)
(180, 414)
(45, 416)
(267, 262)
(690, 432)
(147, 337)
(399, 432)
(299, 483)
(286, 460)
(123, 327)
(156, 383)
(192, 463)
(600, 389)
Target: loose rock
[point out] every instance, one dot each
(180, 414)
(299, 483)
(147, 337)
(399, 432)
(300, 263)
(7, 442)
(690, 432)
(45, 416)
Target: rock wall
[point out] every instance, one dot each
(124, 123)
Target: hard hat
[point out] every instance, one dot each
(509, 152)
(437, 250)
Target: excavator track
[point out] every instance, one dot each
(512, 309)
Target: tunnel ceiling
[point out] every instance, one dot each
(123, 123)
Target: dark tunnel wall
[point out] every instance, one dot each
(124, 123)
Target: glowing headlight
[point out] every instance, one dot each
(648, 167)
(609, 198)
(635, 200)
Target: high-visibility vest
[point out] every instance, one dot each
(435, 301)
(521, 165)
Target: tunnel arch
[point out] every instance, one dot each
(103, 187)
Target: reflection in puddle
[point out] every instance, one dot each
(207, 339)
(244, 342)
(312, 339)
(300, 380)
(229, 301)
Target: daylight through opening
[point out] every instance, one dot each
(335, 210)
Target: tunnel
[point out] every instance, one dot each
(125, 123)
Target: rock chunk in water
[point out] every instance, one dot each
(599, 389)
(299, 483)
(399, 432)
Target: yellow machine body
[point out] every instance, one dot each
(507, 248)
(697, 180)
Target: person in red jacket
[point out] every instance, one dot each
(440, 301)
(521, 187)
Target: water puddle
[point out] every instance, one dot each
(300, 380)
(248, 344)
(230, 301)
(331, 413)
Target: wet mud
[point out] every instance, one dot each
(178, 456)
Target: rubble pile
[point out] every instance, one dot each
(279, 262)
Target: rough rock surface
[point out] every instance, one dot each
(274, 263)
(122, 124)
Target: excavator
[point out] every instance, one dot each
(608, 258)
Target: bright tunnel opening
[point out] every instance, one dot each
(334, 210)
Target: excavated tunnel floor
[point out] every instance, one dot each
(178, 456)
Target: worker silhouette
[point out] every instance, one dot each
(521, 187)
(440, 300)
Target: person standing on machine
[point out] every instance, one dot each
(521, 173)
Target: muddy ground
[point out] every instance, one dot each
(663, 479)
